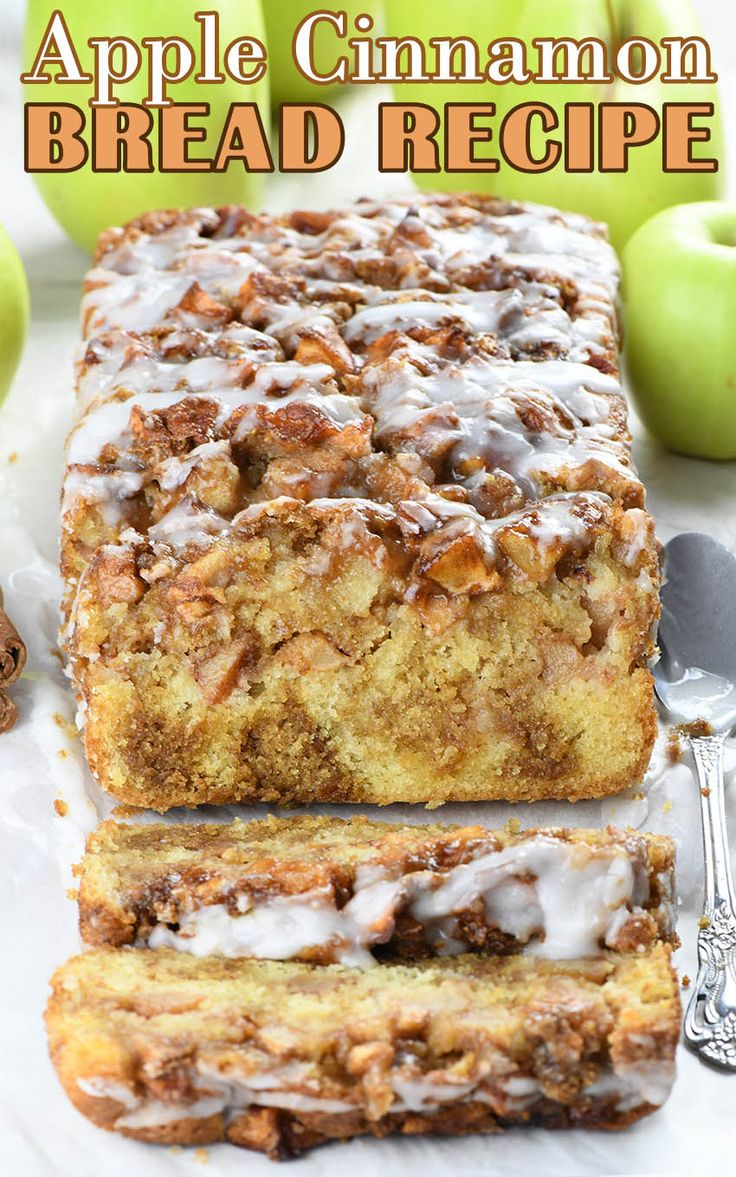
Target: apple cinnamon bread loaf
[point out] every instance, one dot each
(350, 514)
(281, 1056)
(328, 891)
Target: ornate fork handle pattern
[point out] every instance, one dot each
(710, 1021)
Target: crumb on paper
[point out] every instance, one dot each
(61, 807)
(698, 727)
(667, 807)
(685, 981)
(674, 748)
(175, 1149)
(62, 753)
(637, 796)
(68, 728)
(705, 792)
(72, 893)
(201, 1156)
(513, 825)
(12, 457)
(703, 922)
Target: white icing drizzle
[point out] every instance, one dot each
(562, 900)
(422, 1094)
(563, 516)
(524, 318)
(574, 903)
(445, 236)
(108, 489)
(186, 524)
(566, 516)
(527, 419)
(174, 471)
(534, 421)
(633, 1084)
(279, 929)
(135, 303)
(290, 1086)
(122, 361)
(100, 1088)
(107, 423)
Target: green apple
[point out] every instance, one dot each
(282, 20)
(680, 316)
(623, 200)
(85, 202)
(14, 311)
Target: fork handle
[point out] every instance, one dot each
(710, 1020)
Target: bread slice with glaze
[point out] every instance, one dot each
(282, 1056)
(326, 890)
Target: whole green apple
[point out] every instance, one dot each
(680, 323)
(14, 311)
(85, 202)
(624, 200)
(282, 20)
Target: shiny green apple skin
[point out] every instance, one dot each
(622, 200)
(85, 202)
(680, 327)
(282, 19)
(14, 311)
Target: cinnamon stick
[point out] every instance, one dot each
(8, 713)
(12, 649)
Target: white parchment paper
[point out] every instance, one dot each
(40, 762)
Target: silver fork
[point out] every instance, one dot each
(695, 681)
